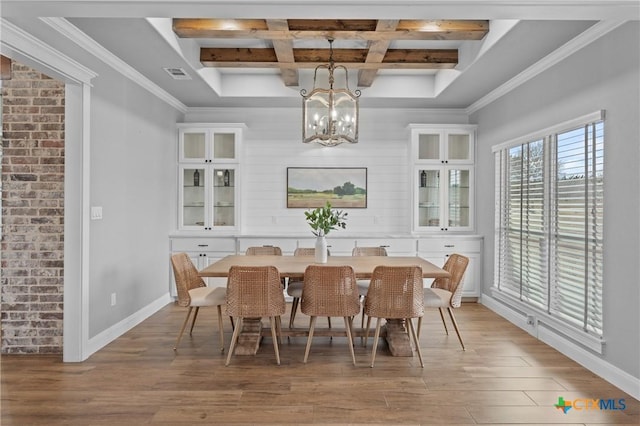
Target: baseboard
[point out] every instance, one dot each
(593, 363)
(103, 339)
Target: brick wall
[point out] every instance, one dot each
(31, 280)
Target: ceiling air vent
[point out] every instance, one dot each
(177, 73)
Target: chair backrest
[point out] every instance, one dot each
(456, 265)
(264, 251)
(395, 292)
(369, 251)
(306, 251)
(186, 277)
(330, 291)
(254, 291)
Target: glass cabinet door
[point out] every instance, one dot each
(459, 147)
(193, 197)
(458, 198)
(193, 145)
(224, 194)
(429, 146)
(224, 146)
(429, 191)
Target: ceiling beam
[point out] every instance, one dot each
(310, 58)
(337, 29)
(5, 68)
(284, 52)
(377, 50)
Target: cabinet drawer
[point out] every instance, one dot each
(450, 245)
(227, 245)
(394, 246)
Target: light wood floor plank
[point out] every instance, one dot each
(504, 377)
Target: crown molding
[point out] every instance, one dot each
(20, 45)
(74, 34)
(587, 37)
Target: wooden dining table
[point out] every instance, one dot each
(295, 266)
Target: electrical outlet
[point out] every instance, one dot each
(531, 320)
(113, 299)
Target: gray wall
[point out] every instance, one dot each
(603, 75)
(133, 157)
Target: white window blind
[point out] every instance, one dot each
(549, 222)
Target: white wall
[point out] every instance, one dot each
(604, 75)
(273, 142)
(133, 157)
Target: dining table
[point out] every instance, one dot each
(295, 266)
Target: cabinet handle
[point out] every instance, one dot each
(449, 245)
(385, 246)
(207, 245)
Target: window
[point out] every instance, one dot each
(549, 222)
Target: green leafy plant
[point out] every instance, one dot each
(324, 219)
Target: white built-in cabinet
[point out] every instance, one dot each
(437, 249)
(442, 164)
(209, 177)
(203, 252)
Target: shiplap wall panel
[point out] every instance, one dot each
(272, 142)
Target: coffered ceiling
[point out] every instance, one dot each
(368, 43)
(400, 53)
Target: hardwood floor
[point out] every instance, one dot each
(504, 377)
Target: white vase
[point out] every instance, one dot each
(321, 249)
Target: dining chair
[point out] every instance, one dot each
(255, 292)
(294, 287)
(330, 291)
(447, 292)
(363, 285)
(193, 293)
(395, 293)
(266, 251)
(263, 251)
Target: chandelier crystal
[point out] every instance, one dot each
(330, 116)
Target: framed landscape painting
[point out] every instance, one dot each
(311, 187)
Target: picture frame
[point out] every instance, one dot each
(311, 187)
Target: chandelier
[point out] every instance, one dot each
(330, 116)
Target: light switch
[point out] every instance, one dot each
(96, 213)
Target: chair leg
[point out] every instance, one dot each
(184, 325)
(419, 326)
(234, 339)
(294, 308)
(375, 341)
(347, 325)
(195, 315)
(366, 332)
(221, 329)
(312, 324)
(279, 328)
(412, 331)
(274, 335)
(455, 325)
(364, 299)
(446, 330)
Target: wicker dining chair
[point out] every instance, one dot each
(363, 285)
(194, 293)
(447, 292)
(255, 292)
(294, 287)
(395, 292)
(330, 291)
(263, 251)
